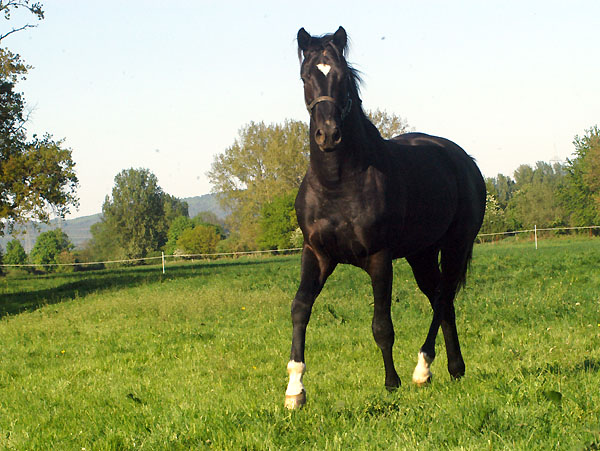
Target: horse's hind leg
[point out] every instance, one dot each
(428, 276)
(454, 268)
(441, 295)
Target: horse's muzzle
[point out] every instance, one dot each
(328, 137)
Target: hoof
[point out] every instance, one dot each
(392, 388)
(456, 371)
(423, 381)
(393, 385)
(293, 402)
(422, 374)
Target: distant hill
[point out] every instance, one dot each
(78, 229)
(207, 202)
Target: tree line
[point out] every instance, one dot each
(548, 195)
(139, 220)
(256, 179)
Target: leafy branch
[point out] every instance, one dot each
(8, 6)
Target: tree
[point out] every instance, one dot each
(173, 208)
(388, 124)
(178, 226)
(536, 200)
(264, 162)
(523, 176)
(136, 220)
(36, 176)
(15, 254)
(102, 246)
(494, 220)
(208, 217)
(502, 187)
(202, 239)
(7, 6)
(580, 192)
(48, 247)
(278, 221)
(135, 213)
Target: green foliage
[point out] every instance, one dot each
(173, 208)
(530, 199)
(232, 243)
(553, 195)
(218, 228)
(278, 221)
(580, 193)
(36, 176)
(15, 254)
(388, 124)
(182, 224)
(297, 238)
(178, 226)
(102, 246)
(139, 214)
(265, 161)
(199, 354)
(49, 246)
(494, 220)
(208, 217)
(502, 188)
(536, 202)
(201, 239)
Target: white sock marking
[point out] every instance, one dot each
(325, 68)
(295, 370)
(422, 373)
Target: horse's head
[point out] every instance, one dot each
(327, 83)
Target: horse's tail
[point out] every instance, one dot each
(462, 280)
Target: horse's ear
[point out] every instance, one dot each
(340, 39)
(303, 39)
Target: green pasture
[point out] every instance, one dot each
(130, 358)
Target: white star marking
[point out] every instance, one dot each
(325, 68)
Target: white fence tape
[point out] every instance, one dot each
(235, 254)
(539, 230)
(219, 254)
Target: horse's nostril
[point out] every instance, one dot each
(319, 137)
(337, 136)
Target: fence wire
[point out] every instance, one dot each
(270, 251)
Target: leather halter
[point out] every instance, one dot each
(344, 112)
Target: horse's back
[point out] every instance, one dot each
(439, 165)
(426, 150)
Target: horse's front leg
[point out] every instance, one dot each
(314, 271)
(379, 267)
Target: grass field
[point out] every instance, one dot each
(133, 359)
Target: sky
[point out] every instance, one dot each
(167, 85)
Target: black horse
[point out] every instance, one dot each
(366, 201)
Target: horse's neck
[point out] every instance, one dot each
(350, 160)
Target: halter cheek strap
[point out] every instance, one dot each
(344, 112)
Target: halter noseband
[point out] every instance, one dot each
(344, 112)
